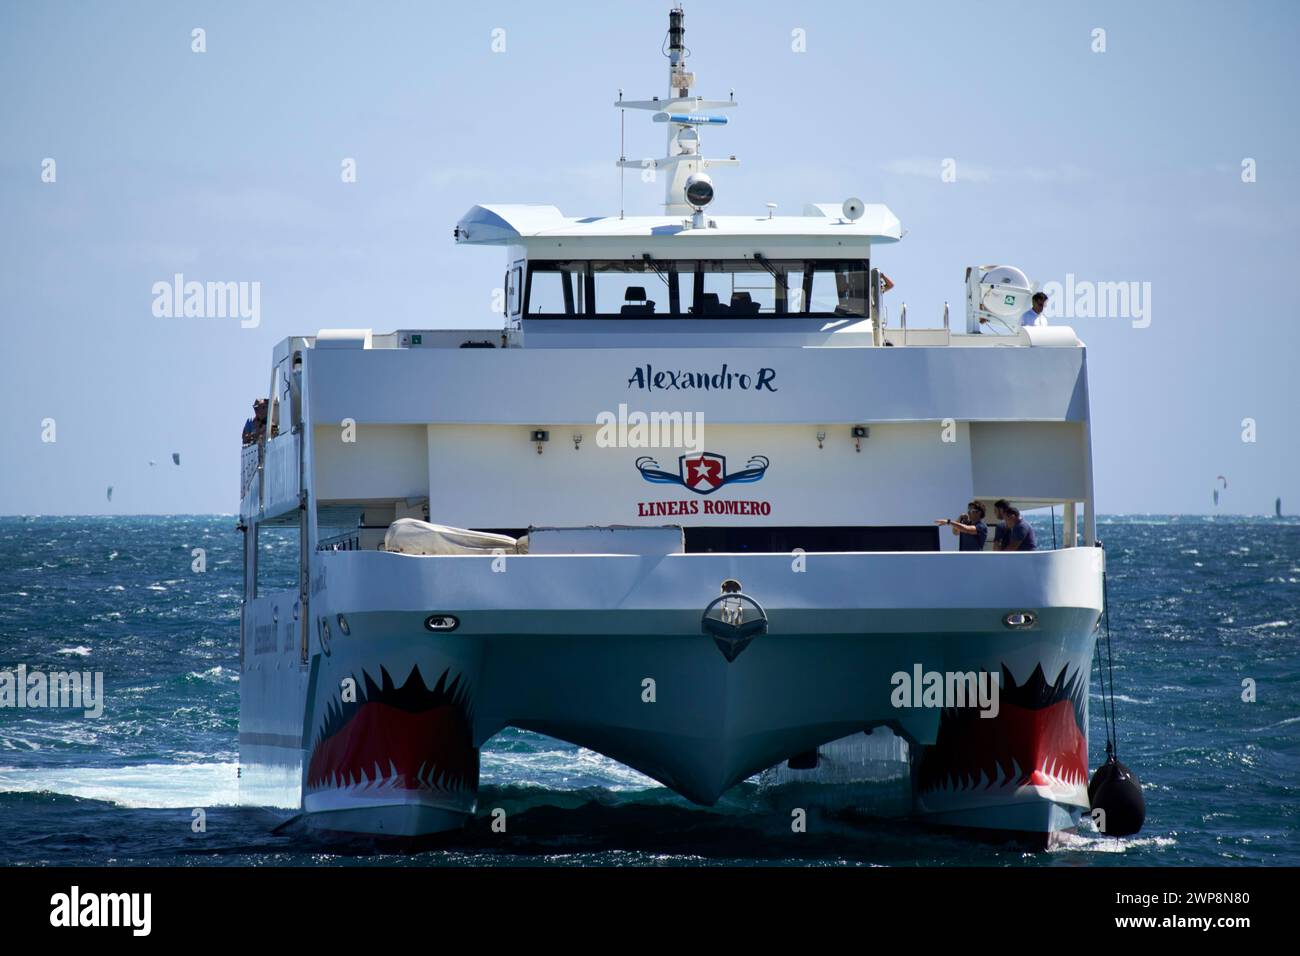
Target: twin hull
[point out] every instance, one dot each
(369, 722)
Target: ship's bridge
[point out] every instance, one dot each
(814, 266)
(707, 281)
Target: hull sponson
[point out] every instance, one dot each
(392, 756)
(404, 750)
(564, 645)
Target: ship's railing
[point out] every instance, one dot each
(347, 541)
(280, 473)
(922, 336)
(250, 461)
(916, 336)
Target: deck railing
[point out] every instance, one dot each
(347, 541)
(249, 462)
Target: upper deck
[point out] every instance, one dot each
(761, 281)
(486, 437)
(686, 333)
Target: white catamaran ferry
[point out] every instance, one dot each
(679, 510)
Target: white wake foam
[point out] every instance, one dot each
(145, 786)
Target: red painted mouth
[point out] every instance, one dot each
(407, 737)
(1037, 735)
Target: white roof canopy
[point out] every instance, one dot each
(821, 231)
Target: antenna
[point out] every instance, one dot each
(688, 188)
(679, 80)
(853, 208)
(622, 154)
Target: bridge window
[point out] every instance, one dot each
(753, 287)
(835, 288)
(735, 288)
(556, 288)
(632, 288)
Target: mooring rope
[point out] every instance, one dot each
(1111, 720)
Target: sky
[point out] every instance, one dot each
(997, 132)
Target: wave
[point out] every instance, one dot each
(567, 768)
(143, 786)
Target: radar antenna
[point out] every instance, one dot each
(688, 188)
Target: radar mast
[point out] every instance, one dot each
(688, 188)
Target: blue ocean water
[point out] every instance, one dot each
(1198, 605)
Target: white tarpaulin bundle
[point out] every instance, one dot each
(412, 536)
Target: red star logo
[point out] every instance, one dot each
(703, 471)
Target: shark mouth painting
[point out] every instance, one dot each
(1038, 738)
(405, 738)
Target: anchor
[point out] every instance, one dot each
(733, 619)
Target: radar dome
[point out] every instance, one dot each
(1005, 291)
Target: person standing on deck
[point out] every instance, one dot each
(1020, 536)
(1034, 316)
(1000, 528)
(970, 528)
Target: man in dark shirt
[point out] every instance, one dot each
(999, 528)
(1020, 536)
(970, 528)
